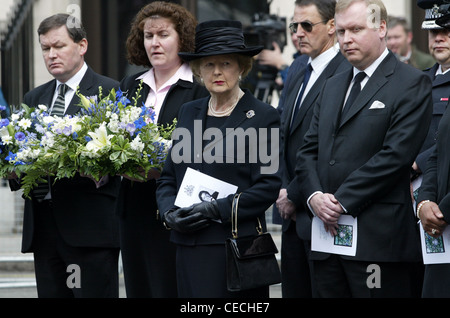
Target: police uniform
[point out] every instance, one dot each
(433, 159)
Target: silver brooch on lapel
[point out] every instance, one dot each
(250, 114)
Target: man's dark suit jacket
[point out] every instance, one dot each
(293, 138)
(365, 158)
(85, 216)
(440, 93)
(436, 188)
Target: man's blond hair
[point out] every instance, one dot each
(342, 5)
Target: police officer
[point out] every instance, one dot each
(439, 46)
(432, 202)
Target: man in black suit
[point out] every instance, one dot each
(357, 157)
(317, 45)
(71, 225)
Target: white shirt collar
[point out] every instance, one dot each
(373, 67)
(439, 70)
(74, 82)
(322, 61)
(183, 73)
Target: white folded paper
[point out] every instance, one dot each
(197, 187)
(344, 243)
(435, 250)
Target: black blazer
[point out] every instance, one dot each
(259, 190)
(364, 159)
(85, 216)
(293, 138)
(440, 93)
(436, 180)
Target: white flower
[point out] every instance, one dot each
(137, 145)
(7, 140)
(48, 120)
(24, 123)
(62, 122)
(15, 117)
(4, 133)
(114, 125)
(42, 108)
(100, 139)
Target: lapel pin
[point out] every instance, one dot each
(250, 114)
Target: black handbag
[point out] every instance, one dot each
(251, 261)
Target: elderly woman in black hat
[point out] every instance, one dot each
(228, 136)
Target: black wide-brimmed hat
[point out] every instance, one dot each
(432, 13)
(219, 37)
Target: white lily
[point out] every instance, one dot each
(100, 139)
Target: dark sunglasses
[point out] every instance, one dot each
(306, 25)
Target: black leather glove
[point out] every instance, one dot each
(181, 220)
(209, 210)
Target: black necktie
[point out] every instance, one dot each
(60, 105)
(356, 89)
(306, 77)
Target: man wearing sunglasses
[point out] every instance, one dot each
(313, 25)
(356, 161)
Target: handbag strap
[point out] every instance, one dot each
(234, 217)
(234, 208)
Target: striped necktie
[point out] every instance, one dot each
(60, 105)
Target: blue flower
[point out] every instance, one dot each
(75, 136)
(20, 136)
(67, 130)
(40, 129)
(11, 157)
(119, 94)
(87, 138)
(140, 123)
(4, 123)
(131, 128)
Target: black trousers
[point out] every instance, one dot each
(148, 256)
(64, 271)
(342, 278)
(295, 265)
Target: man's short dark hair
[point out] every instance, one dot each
(325, 7)
(73, 25)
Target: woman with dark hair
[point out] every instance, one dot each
(159, 31)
